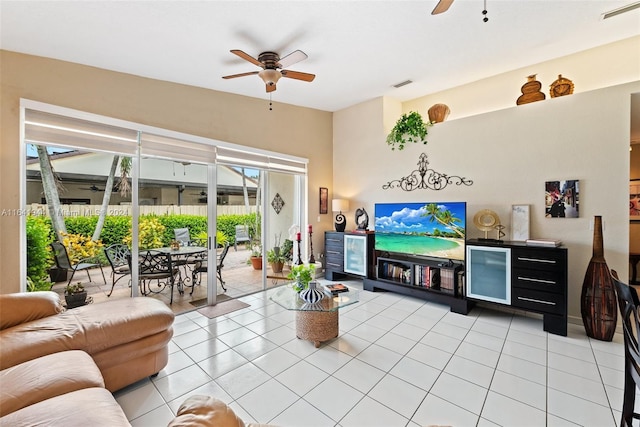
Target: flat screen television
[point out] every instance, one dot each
(430, 229)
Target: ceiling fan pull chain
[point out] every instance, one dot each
(484, 12)
(270, 104)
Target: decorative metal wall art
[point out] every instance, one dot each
(277, 203)
(425, 178)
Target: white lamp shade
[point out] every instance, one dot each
(339, 205)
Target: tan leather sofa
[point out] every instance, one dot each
(127, 339)
(206, 411)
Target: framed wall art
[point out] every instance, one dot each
(519, 222)
(634, 200)
(324, 200)
(562, 199)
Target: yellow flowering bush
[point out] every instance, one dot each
(150, 234)
(80, 247)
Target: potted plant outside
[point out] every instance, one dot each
(256, 256)
(409, 128)
(302, 275)
(276, 258)
(75, 295)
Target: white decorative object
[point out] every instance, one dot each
(520, 222)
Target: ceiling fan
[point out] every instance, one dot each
(442, 6)
(93, 188)
(273, 67)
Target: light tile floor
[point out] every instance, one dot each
(398, 361)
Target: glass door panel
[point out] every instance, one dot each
(173, 226)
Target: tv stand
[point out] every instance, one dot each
(428, 279)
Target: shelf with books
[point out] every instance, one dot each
(421, 277)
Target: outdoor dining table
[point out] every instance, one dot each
(180, 257)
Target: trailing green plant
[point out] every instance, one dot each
(301, 274)
(409, 128)
(39, 236)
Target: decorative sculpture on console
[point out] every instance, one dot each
(362, 219)
(425, 178)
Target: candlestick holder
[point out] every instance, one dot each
(299, 260)
(312, 259)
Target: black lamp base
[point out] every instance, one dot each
(341, 222)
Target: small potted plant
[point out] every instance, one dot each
(302, 275)
(75, 295)
(256, 256)
(276, 259)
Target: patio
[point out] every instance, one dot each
(240, 279)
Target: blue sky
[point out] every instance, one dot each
(408, 217)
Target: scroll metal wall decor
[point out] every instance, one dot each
(425, 178)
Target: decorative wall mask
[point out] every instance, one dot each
(362, 219)
(425, 178)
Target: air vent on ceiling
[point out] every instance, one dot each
(404, 83)
(621, 10)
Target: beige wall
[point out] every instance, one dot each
(242, 120)
(510, 153)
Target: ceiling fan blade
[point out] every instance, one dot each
(271, 87)
(233, 76)
(293, 58)
(247, 57)
(442, 6)
(298, 75)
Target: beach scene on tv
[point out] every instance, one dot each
(425, 229)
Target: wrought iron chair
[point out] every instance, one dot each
(242, 235)
(63, 262)
(201, 266)
(117, 256)
(628, 303)
(156, 265)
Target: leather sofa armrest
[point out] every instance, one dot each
(23, 307)
(207, 411)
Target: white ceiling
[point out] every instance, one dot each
(357, 49)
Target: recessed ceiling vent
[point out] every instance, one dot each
(404, 83)
(621, 10)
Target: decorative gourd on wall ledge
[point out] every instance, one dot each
(409, 128)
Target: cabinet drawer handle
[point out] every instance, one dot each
(530, 279)
(548, 261)
(333, 252)
(536, 300)
(333, 264)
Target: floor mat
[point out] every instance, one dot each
(203, 301)
(222, 308)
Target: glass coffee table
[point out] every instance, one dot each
(316, 322)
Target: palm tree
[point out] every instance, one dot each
(444, 217)
(50, 187)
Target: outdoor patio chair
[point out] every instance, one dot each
(117, 256)
(156, 265)
(242, 235)
(182, 236)
(201, 266)
(63, 262)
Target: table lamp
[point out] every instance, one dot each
(339, 205)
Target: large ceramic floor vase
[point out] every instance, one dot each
(598, 300)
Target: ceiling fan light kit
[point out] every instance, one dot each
(273, 67)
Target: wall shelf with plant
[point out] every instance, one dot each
(410, 128)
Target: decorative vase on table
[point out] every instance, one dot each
(312, 294)
(598, 303)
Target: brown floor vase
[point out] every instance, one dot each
(598, 302)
